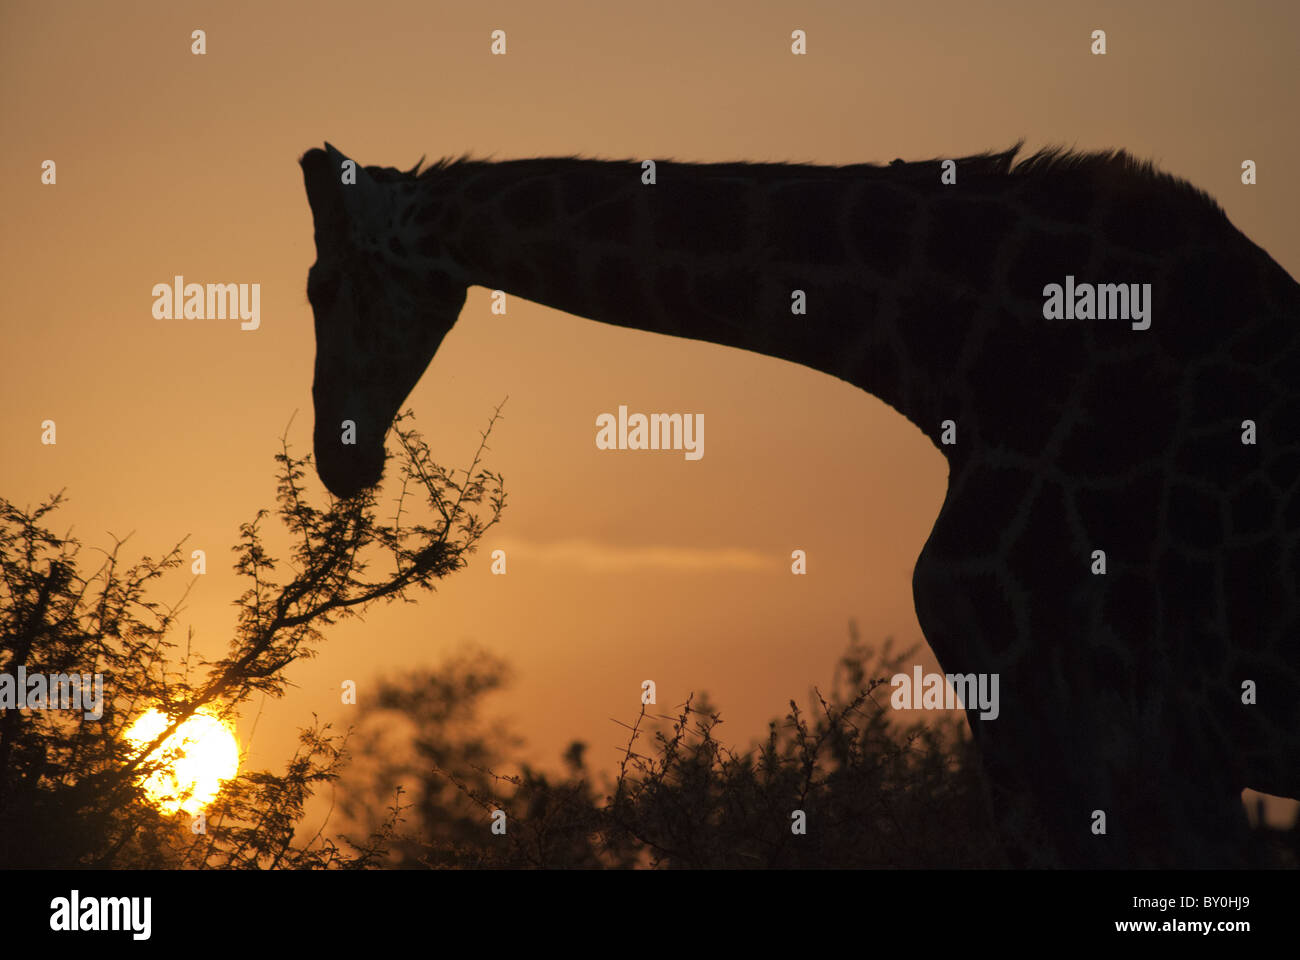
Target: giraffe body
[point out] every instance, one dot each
(1121, 690)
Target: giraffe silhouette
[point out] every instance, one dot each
(1119, 539)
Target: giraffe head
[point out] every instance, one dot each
(380, 309)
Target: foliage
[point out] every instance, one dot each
(69, 785)
(875, 793)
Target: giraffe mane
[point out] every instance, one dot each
(1053, 161)
(1049, 162)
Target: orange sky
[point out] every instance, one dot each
(170, 163)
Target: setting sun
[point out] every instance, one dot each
(205, 752)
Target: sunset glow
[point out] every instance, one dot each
(205, 752)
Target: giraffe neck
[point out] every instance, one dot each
(820, 266)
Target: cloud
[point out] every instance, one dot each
(606, 558)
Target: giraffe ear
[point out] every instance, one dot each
(320, 174)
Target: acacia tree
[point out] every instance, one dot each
(70, 786)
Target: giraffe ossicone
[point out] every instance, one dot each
(1121, 690)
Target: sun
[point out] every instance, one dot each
(200, 754)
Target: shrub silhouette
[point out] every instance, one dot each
(877, 788)
(69, 785)
(875, 792)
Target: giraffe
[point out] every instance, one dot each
(1126, 733)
